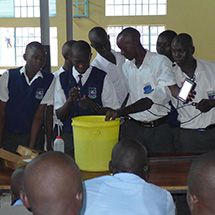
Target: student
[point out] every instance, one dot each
(17, 206)
(164, 41)
(108, 60)
(52, 185)
(126, 192)
(197, 129)
(201, 185)
(24, 94)
(83, 90)
(67, 54)
(148, 76)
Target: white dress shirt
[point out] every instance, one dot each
(108, 97)
(4, 93)
(188, 115)
(115, 72)
(150, 80)
(125, 194)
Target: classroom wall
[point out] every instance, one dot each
(195, 17)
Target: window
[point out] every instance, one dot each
(14, 41)
(80, 8)
(148, 39)
(135, 7)
(24, 8)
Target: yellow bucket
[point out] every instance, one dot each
(94, 139)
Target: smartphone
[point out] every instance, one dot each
(186, 88)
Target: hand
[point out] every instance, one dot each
(73, 93)
(205, 105)
(86, 103)
(111, 115)
(190, 97)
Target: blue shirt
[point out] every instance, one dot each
(18, 202)
(125, 194)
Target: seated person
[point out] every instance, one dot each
(126, 192)
(83, 90)
(201, 185)
(17, 206)
(52, 185)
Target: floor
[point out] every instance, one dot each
(5, 199)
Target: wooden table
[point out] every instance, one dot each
(169, 171)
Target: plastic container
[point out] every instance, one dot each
(94, 139)
(59, 144)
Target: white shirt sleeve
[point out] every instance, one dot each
(4, 86)
(170, 205)
(109, 97)
(49, 96)
(59, 96)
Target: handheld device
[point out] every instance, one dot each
(186, 88)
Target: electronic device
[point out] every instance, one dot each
(186, 88)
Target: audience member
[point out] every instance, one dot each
(52, 185)
(197, 133)
(126, 191)
(201, 185)
(148, 76)
(17, 206)
(84, 90)
(108, 60)
(164, 41)
(24, 94)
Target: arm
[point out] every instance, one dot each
(37, 124)
(140, 105)
(205, 105)
(49, 125)
(2, 120)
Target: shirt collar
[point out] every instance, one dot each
(37, 75)
(125, 176)
(84, 76)
(18, 202)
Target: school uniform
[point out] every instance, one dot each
(150, 80)
(197, 130)
(96, 85)
(23, 99)
(115, 72)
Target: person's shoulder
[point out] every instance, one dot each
(97, 70)
(47, 74)
(96, 181)
(18, 210)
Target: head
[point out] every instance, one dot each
(52, 185)
(128, 40)
(164, 41)
(67, 53)
(182, 49)
(16, 184)
(81, 56)
(100, 41)
(129, 155)
(201, 185)
(35, 57)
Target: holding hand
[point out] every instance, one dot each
(73, 93)
(205, 105)
(86, 103)
(111, 115)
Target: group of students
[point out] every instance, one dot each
(135, 85)
(51, 184)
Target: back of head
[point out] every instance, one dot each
(52, 185)
(16, 184)
(201, 185)
(34, 44)
(129, 155)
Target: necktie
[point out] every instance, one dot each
(79, 82)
